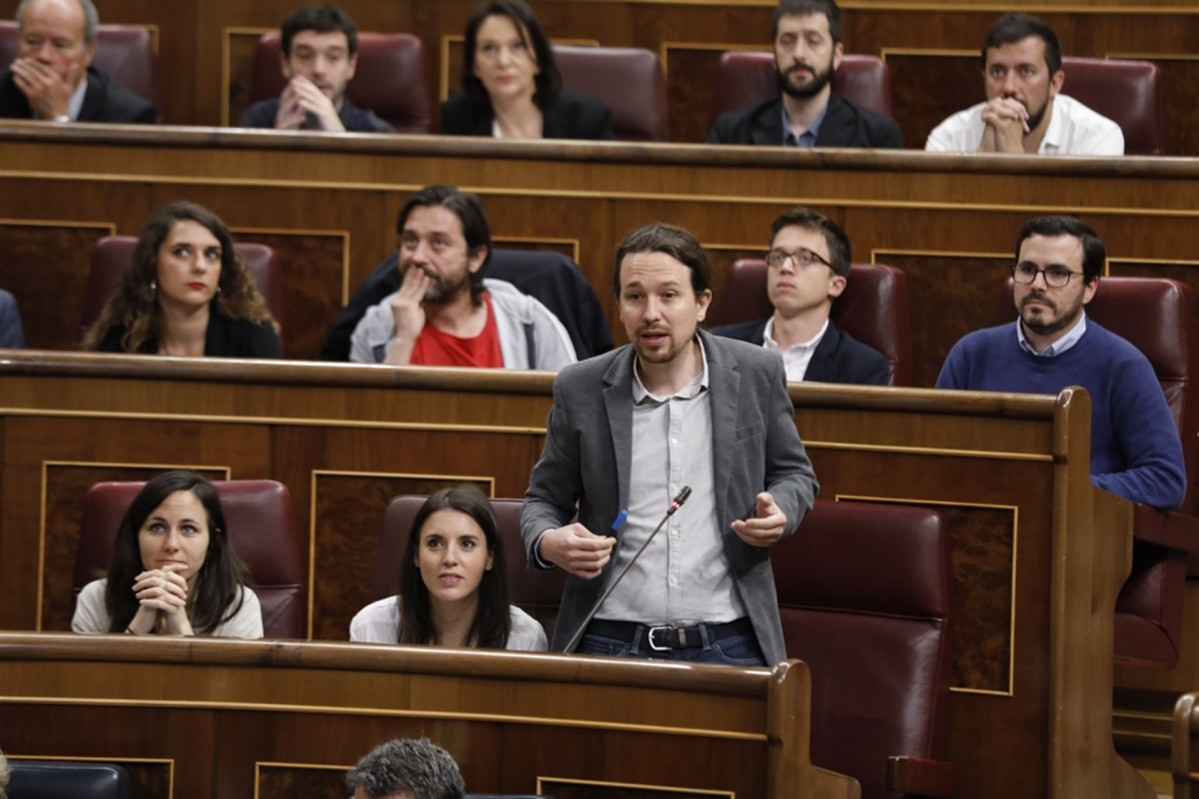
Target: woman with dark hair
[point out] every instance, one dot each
(187, 292)
(511, 87)
(453, 591)
(173, 571)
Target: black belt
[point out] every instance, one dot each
(663, 637)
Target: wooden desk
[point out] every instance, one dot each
(1039, 553)
(328, 204)
(204, 718)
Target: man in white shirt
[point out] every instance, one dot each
(1025, 111)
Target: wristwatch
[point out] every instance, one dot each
(63, 118)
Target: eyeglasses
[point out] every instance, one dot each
(1056, 277)
(801, 257)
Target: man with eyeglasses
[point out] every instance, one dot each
(808, 268)
(1136, 452)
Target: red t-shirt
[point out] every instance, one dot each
(437, 348)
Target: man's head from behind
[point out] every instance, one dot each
(1022, 59)
(444, 232)
(808, 262)
(1058, 264)
(807, 45)
(60, 34)
(406, 768)
(320, 42)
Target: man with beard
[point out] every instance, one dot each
(1136, 452)
(675, 410)
(319, 56)
(445, 313)
(1025, 111)
(807, 51)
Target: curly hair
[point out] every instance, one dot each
(134, 307)
(217, 596)
(492, 623)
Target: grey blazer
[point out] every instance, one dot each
(588, 456)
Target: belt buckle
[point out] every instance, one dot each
(650, 638)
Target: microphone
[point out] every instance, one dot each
(675, 504)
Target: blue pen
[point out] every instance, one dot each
(620, 517)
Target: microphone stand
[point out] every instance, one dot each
(674, 505)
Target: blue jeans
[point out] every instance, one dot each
(732, 650)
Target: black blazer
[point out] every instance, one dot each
(572, 116)
(224, 338)
(839, 357)
(846, 124)
(106, 100)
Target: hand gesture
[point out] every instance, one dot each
(162, 600)
(48, 93)
(409, 315)
(302, 97)
(1006, 122)
(767, 524)
(577, 550)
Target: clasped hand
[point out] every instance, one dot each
(302, 97)
(162, 602)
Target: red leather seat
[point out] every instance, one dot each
(1131, 93)
(389, 80)
(126, 52)
(866, 596)
(627, 79)
(1158, 316)
(535, 591)
(111, 258)
(258, 513)
(873, 308)
(747, 77)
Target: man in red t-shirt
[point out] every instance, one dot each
(445, 313)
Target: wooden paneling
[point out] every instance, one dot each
(280, 715)
(207, 47)
(329, 204)
(1039, 553)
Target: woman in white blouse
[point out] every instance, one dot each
(453, 590)
(173, 571)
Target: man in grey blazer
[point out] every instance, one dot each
(628, 430)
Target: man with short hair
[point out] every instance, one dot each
(406, 768)
(807, 269)
(1025, 111)
(1136, 452)
(52, 77)
(629, 430)
(807, 51)
(319, 56)
(445, 312)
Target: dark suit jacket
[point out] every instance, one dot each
(106, 100)
(588, 456)
(572, 116)
(224, 338)
(846, 124)
(839, 357)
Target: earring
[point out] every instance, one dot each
(153, 286)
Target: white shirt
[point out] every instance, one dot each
(91, 615)
(1073, 129)
(379, 623)
(796, 357)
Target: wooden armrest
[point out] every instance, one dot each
(919, 776)
(1166, 528)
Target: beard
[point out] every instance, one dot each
(1044, 325)
(441, 291)
(820, 79)
(1036, 117)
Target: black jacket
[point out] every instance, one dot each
(839, 357)
(106, 100)
(846, 124)
(572, 116)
